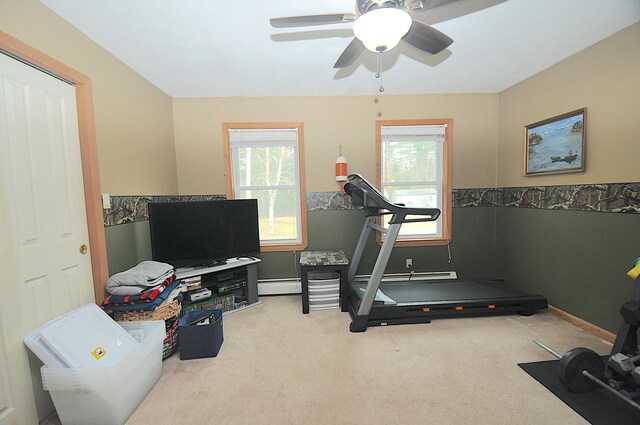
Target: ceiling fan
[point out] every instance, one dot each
(378, 26)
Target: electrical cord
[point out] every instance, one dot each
(450, 258)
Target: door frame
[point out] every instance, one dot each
(88, 150)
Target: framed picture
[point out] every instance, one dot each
(555, 145)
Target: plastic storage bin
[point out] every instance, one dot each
(324, 290)
(200, 341)
(84, 337)
(109, 395)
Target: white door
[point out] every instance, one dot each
(46, 269)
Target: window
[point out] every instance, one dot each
(265, 161)
(414, 169)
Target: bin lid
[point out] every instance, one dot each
(87, 337)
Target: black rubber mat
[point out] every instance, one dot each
(599, 407)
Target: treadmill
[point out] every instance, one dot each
(378, 300)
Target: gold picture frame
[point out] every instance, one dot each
(556, 145)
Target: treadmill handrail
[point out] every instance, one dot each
(363, 193)
(393, 220)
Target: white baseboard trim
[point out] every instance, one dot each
(279, 286)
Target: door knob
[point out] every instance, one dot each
(83, 249)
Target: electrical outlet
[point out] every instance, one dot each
(106, 201)
(408, 263)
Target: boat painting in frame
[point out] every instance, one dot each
(555, 145)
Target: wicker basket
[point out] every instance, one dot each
(170, 313)
(164, 312)
(172, 342)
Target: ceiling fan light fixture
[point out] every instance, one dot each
(381, 29)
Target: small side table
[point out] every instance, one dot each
(335, 261)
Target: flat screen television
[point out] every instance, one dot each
(203, 233)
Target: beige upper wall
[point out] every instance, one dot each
(134, 122)
(604, 78)
(328, 123)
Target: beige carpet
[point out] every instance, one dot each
(278, 366)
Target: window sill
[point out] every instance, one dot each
(281, 248)
(421, 242)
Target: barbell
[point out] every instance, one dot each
(582, 370)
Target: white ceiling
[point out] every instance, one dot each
(215, 48)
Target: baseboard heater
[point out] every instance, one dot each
(279, 286)
(292, 285)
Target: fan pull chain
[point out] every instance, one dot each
(379, 71)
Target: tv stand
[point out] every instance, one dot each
(237, 276)
(209, 264)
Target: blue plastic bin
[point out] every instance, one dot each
(200, 341)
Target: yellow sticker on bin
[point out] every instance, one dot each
(99, 353)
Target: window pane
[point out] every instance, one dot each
(418, 196)
(410, 161)
(267, 166)
(277, 212)
(417, 230)
(413, 171)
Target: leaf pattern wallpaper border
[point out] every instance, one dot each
(606, 197)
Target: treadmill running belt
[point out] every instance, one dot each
(421, 301)
(419, 292)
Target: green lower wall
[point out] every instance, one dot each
(472, 249)
(473, 242)
(127, 245)
(578, 260)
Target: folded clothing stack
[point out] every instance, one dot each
(146, 275)
(146, 301)
(148, 291)
(141, 288)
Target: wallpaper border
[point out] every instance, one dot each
(606, 197)
(130, 208)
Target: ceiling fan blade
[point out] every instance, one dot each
(427, 4)
(306, 21)
(427, 38)
(432, 4)
(314, 34)
(350, 54)
(431, 12)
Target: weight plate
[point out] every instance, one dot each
(572, 364)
